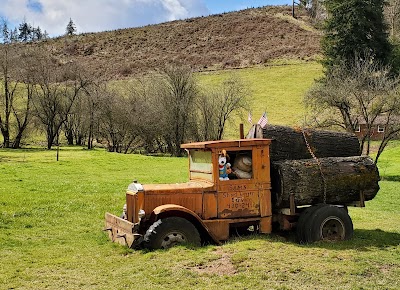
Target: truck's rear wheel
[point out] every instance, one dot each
(171, 231)
(328, 223)
(303, 219)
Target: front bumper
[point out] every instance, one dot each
(122, 231)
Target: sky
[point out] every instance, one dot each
(101, 15)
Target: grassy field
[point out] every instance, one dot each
(51, 220)
(278, 89)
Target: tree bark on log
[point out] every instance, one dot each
(345, 178)
(289, 144)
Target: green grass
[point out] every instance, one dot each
(51, 220)
(278, 89)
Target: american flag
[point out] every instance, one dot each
(263, 120)
(250, 119)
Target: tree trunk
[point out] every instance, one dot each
(70, 137)
(50, 138)
(79, 140)
(17, 140)
(6, 138)
(289, 143)
(90, 137)
(345, 178)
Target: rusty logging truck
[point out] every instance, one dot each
(278, 178)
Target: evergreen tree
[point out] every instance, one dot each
(5, 33)
(45, 35)
(14, 35)
(25, 31)
(355, 28)
(38, 35)
(71, 29)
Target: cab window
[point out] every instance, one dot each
(240, 163)
(200, 164)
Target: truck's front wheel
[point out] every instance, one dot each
(171, 231)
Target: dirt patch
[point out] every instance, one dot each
(221, 266)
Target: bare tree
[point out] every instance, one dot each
(9, 87)
(177, 93)
(207, 108)
(27, 81)
(217, 107)
(117, 121)
(316, 9)
(93, 100)
(58, 87)
(75, 125)
(362, 93)
(17, 93)
(392, 11)
(149, 114)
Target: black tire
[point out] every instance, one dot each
(328, 223)
(301, 223)
(171, 231)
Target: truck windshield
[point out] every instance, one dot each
(200, 164)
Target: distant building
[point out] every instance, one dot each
(378, 127)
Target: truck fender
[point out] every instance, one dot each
(168, 210)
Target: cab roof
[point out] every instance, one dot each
(226, 143)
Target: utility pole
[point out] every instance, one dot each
(293, 9)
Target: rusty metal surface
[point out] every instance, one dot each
(266, 225)
(177, 188)
(219, 228)
(119, 230)
(188, 195)
(227, 143)
(238, 198)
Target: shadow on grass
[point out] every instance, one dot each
(391, 178)
(363, 240)
(54, 149)
(43, 149)
(377, 238)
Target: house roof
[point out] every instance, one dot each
(382, 120)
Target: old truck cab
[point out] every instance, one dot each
(218, 197)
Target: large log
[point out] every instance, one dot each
(345, 178)
(288, 143)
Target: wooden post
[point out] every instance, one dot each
(58, 146)
(241, 131)
(362, 199)
(292, 204)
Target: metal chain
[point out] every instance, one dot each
(318, 162)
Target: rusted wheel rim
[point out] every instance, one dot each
(332, 229)
(172, 239)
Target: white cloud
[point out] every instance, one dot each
(98, 15)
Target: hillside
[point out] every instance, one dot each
(230, 40)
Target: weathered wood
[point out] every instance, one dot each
(345, 178)
(289, 144)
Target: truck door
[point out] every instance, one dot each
(239, 196)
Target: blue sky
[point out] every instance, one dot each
(100, 15)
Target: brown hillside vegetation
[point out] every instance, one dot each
(230, 40)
